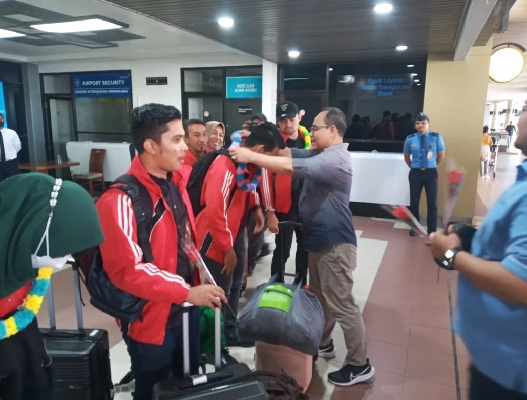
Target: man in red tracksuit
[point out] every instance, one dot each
(281, 195)
(196, 140)
(221, 224)
(155, 341)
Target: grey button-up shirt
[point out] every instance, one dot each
(324, 202)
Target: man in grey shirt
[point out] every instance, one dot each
(329, 235)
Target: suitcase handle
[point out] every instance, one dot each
(186, 340)
(77, 293)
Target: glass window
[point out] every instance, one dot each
(203, 80)
(57, 84)
(244, 71)
(304, 77)
(103, 114)
(369, 89)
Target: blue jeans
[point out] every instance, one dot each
(152, 363)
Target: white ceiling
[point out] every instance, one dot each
(517, 33)
(161, 40)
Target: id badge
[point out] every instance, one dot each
(429, 155)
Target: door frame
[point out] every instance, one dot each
(48, 129)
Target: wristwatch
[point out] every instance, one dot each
(448, 260)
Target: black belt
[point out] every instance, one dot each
(424, 169)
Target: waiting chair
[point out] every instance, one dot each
(95, 171)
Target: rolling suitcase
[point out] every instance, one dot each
(230, 382)
(80, 358)
(276, 358)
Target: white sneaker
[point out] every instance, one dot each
(486, 177)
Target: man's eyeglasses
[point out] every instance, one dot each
(315, 128)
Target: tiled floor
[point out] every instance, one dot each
(405, 307)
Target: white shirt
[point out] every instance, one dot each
(12, 143)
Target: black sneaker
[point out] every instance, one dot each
(351, 374)
(412, 233)
(327, 351)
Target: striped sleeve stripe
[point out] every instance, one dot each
(229, 176)
(125, 216)
(266, 192)
(169, 275)
(162, 274)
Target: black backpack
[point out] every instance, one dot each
(104, 295)
(197, 177)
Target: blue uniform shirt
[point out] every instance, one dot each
(494, 331)
(415, 146)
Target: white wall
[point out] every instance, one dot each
(169, 67)
(487, 120)
(269, 89)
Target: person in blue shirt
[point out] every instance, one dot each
(423, 152)
(491, 315)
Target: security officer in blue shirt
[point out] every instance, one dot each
(423, 152)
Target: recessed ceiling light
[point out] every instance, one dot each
(410, 65)
(4, 34)
(401, 48)
(294, 53)
(416, 80)
(86, 25)
(226, 22)
(418, 84)
(330, 69)
(383, 8)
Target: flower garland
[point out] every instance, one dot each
(236, 139)
(307, 137)
(25, 315)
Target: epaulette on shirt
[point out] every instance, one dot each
(410, 136)
(434, 134)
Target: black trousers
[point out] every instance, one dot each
(256, 240)
(484, 388)
(231, 284)
(428, 179)
(24, 366)
(8, 168)
(281, 252)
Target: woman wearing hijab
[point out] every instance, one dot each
(43, 220)
(216, 135)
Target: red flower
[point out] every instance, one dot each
(399, 213)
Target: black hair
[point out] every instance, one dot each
(386, 114)
(192, 121)
(485, 129)
(336, 117)
(355, 118)
(267, 134)
(150, 121)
